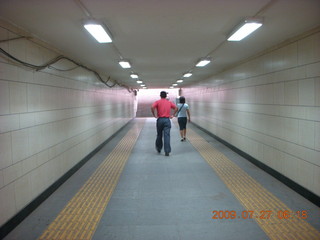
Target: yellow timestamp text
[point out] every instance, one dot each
(264, 214)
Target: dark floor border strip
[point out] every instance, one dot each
(26, 211)
(285, 180)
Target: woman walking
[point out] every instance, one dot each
(183, 115)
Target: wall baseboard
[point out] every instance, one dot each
(285, 180)
(6, 228)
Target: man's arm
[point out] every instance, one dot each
(174, 112)
(152, 111)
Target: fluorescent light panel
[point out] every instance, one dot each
(124, 64)
(187, 75)
(179, 81)
(203, 62)
(246, 28)
(98, 32)
(133, 75)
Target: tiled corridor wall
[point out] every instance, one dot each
(269, 107)
(49, 120)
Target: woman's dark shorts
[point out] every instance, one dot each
(182, 122)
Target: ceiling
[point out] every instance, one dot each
(162, 39)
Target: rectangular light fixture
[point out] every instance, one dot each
(124, 64)
(133, 75)
(179, 81)
(244, 29)
(187, 75)
(203, 62)
(98, 31)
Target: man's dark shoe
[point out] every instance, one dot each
(158, 150)
(167, 154)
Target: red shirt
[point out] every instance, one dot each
(163, 107)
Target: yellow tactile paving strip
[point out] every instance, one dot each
(255, 198)
(80, 218)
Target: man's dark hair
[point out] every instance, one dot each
(163, 94)
(182, 100)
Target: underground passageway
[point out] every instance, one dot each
(75, 119)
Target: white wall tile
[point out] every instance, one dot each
(8, 72)
(4, 97)
(307, 133)
(306, 92)
(291, 167)
(12, 173)
(27, 120)
(291, 130)
(5, 150)
(20, 145)
(317, 136)
(22, 192)
(7, 206)
(313, 70)
(316, 180)
(33, 97)
(305, 172)
(18, 97)
(264, 94)
(285, 57)
(25, 75)
(1, 179)
(29, 164)
(9, 123)
(42, 157)
(278, 93)
(309, 49)
(291, 93)
(317, 92)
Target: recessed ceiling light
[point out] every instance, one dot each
(187, 75)
(245, 28)
(133, 75)
(124, 64)
(203, 62)
(98, 31)
(179, 81)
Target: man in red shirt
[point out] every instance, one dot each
(163, 107)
